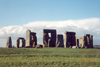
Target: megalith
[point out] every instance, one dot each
(31, 38)
(47, 40)
(18, 42)
(80, 42)
(91, 41)
(34, 39)
(70, 39)
(59, 41)
(77, 42)
(28, 38)
(9, 43)
(86, 41)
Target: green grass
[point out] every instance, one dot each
(49, 57)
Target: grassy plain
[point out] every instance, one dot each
(49, 57)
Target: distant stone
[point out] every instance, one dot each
(9, 43)
(59, 41)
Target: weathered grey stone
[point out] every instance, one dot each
(18, 42)
(39, 46)
(28, 38)
(46, 38)
(70, 39)
(77, 42)
(31, 38)
(86, 41)
(91, 41)
(81, 41)
(9, 43)
(59, 41)
(34, 39)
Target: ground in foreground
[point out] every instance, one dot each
(49, 57)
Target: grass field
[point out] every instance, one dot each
(49, 57)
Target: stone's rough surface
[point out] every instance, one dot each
(18, 42)
(91, 41)
(70, 39)
(59, 41)
(28, 38)
(49, 41)
(45, 39)
(39, 46)
(31, 38)
(9, 43)
(86, 41)
(34, 40)
(77, 42)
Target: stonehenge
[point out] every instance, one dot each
(52, 39)
(47, 40)
(9, 42)
(18, 42)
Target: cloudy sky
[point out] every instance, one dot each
(80, 16)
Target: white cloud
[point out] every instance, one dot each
(81, 27)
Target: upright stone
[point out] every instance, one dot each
(81, 42)
(91, 41)
(59, 41)
(34, 39)
(45, 39)
(70, 39)
(49, 41)
(17, 43)
(28, 38)
(67, 39)
(9, 42)
(77, 42)
(85, 41)
(23, 42)
(73, 40)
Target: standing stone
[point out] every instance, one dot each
(81, 42)
(9, 42)
(70, 39)
(28, 38)
(77, 42)
(17, 43)
(85, 41)
(91, 41)
(73, 40)
(23, 42)
(49, 41)
(59, 41)
(34, 39)
(45, 39)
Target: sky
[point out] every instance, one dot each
(80, 16)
